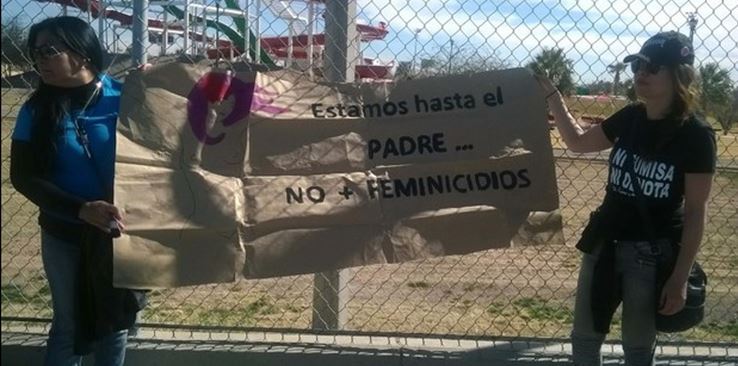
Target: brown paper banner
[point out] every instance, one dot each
(222, 174)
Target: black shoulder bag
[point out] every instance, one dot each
(694, 308)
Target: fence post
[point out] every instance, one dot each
(330, 288)
(140, 32)
(341, 50)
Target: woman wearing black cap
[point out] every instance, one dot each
(640, 226)
(62, 159)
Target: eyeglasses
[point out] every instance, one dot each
(45, 52)
(649, 67)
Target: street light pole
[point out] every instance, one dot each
(415, 52)
(450, 56)
(692, 20)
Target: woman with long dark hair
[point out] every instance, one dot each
(62, 160)
(650, 224)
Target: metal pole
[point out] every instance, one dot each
(257, 33)
(246, 31)
(415, 51)
(692, 20)
(290, 45)
(341, 48)
(101, 24)
(311, 31)
(331, 288)
(140, 31)
(165, 35)
(89, 11)
(186, 26)
(204, 31)
(450, 56)
(217, 28)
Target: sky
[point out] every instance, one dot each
(593, 34)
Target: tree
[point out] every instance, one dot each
(624, 88)
(13, 42)
(728, 116)
(552, 63)
(404, 70)
(629, 89)
(463, 60)
(716, 91)
(616, 69)
(715, 86)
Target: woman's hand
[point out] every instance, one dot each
(140, 68)
(99, 214)
(673, 296)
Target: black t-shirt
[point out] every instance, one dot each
(660, 152)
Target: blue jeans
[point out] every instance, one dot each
(637, 265)
(61, 263)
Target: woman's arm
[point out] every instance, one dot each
(575, 138)
(696, 192)
(26, 177)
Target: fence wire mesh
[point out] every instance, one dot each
(521, 292)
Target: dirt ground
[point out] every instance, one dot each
(513, 292)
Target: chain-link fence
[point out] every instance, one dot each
(521, 292)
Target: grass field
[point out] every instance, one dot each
(515, 292)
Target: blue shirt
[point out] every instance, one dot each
(72, 170)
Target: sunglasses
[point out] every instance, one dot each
(649, 67)
(45, 52)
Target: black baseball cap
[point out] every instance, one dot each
(667, 49)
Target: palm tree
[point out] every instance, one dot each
(716, 91)
(552, 63)
(727, 116)
(616, 68)
(715, 87)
